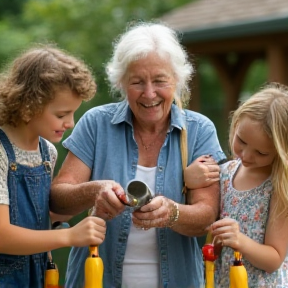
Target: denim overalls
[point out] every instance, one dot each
(29, 189)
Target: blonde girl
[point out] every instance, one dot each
(254, 191)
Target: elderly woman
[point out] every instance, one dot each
(139, 138)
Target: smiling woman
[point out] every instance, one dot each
(139, 138)
(150, 92)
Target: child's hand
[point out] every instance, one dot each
(90, 231)
(226, 232)
(202, 172)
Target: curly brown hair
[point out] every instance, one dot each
(30, 81)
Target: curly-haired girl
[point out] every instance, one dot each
(39, 93)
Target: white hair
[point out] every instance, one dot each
(142, 39)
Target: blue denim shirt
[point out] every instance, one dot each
(29, 189)
(103, 139)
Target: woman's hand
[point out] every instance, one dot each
(107, 205)
(226, 232)
(160, 212)
(202, 172)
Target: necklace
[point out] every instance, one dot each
(148, 146)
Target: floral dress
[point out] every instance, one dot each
(250, 208)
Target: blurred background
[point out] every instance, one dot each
(235, 46)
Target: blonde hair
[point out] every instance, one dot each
(270, 108)
(30, 81)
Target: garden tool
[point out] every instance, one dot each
(209, 257)
(94, 269)
(238, 273)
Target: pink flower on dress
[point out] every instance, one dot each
(235, 201)
(225, 186)
(257, 215)
(225, 214)
(244, 217)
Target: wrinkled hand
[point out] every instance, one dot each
(157, 213)
(202, 172)
(226, 232)
(90, 231)
(107, 205)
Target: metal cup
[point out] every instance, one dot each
(138, 193)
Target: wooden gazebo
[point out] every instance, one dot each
(250, 29)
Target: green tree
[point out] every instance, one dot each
(11, 7)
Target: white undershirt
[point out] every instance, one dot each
(28, 158)
(141, 262)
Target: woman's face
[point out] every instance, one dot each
(150, 87)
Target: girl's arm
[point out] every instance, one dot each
(201, 173)
(268, 256)
(16, 240)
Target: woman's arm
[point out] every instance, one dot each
(202, 210)
(72, 192)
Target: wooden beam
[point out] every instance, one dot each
(277, 62)
(244, 44)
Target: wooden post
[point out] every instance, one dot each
(277, 60)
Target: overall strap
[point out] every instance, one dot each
(44, 150)
(45, 155)
(7, 146)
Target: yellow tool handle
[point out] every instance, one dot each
(94, 269)
(238, 277)
(51, 278)
(209, 273)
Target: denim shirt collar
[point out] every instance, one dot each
(124, 114)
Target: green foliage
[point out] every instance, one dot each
(13, 40)
(212, 98)
(11, 7)
(256, 77)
